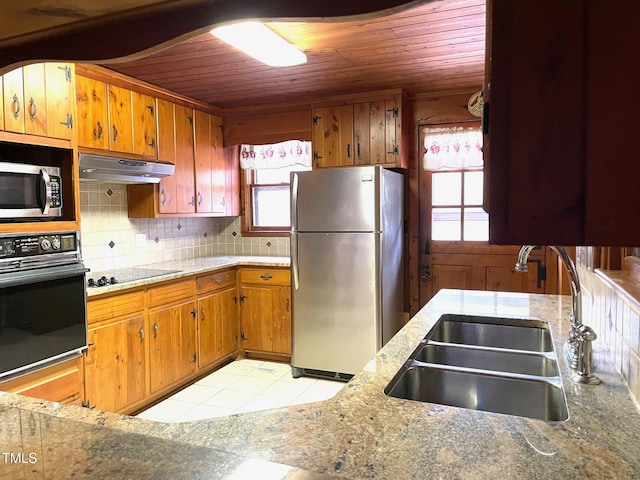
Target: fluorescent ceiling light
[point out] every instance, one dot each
(263, 44)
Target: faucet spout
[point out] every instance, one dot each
(578, 348)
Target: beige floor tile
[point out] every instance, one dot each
(166, 411)
(196, 393)
(219, 378)
(202, 412)
(251, 384)
(229, 398)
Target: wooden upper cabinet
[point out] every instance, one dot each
(559, 149)
(92, 105)
(219, 168)
(167, 193)
(13, 87)
(144, 125)
(184, 171)
(120, 119)
(362, 133)
(333, 136)
(203, 161)
(35, 102)
(60, 89)
(1, 105)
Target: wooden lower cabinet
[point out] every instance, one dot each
(145, 343)
(172, 340)
(218, 326)
(265, 310)
(115, 366)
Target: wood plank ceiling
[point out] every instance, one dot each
(435, 47)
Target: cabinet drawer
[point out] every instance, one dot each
(58, 383)
(114, 306)
(170, 293)
(215, 281)
(265, 276)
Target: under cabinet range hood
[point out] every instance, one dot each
(102, 168)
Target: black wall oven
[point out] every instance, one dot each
(43, 315)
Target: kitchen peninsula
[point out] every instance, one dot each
(360, 433)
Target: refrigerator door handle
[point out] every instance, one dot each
(295, 265)
(294, 202)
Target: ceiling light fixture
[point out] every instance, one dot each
(263, 44)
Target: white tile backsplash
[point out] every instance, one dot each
(110, 239)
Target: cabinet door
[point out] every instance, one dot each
(144, 124)
(1, 105)
(361, 133)
(203, 161)
(92, 105)
(13, 101)
(35, 99)
(184, 160)
(210, 329)
(229, 315)
(172, 350)
(255, 306)
(218, 168)
(115, 365)
(281, 320)
(120, 120)
(59, 78)
(167, 201)
(333, 136)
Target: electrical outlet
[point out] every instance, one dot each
(141, 240)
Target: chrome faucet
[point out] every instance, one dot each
(578, 349)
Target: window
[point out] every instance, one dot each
(266, 190)
(453, 154)
(456, 199)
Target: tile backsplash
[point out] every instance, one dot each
(110, 239)
(616, 319)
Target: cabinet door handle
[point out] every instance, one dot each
(151, 110)
(358, 149)
(348, 150)
(266, 276)
(155, 330)
(141, 334)
(33, 110)
(242, 297)
(152, 143)
(193, 201)
(199, 198)
(97, 133)
(194, 313)
(16, 106)
(202, 314)
(115, 133)
(195, 357)
(163, 197)
(287, 304)
(69, 122)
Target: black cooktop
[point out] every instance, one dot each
(123, 275)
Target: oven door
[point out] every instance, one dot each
(43, 316)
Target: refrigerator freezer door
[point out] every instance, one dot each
(336, 200)
(336, 300)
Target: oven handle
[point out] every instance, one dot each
(39, 275)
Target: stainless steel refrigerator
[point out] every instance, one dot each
(346, 267)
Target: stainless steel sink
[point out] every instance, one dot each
(501, 365)
(513, 333)
(528, 363)
(512, 395)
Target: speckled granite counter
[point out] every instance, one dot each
(186, 268)
(360, 433)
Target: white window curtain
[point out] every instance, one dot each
(452, 148)
(278, 155)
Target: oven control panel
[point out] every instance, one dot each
(31, 245)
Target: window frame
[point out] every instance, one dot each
(247, 184)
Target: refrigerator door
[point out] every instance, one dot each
(336, 200)
(336, 300)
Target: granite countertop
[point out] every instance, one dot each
(359, 433)
(184, 268)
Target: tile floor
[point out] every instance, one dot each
(244, 385)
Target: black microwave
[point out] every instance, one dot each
(29, 192)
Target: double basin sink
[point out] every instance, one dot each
(501, 365)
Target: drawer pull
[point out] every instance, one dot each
(217, 281)
(266, 277)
